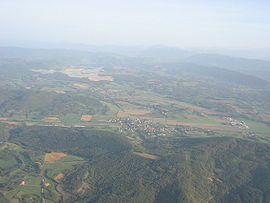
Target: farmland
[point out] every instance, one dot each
(83, 130)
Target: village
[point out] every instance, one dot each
(144, 127)
(236, 123)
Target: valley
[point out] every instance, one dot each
(131, 130)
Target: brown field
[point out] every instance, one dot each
(30, 123)
(86, 117)
(12, 122)
(97, 78)
(50, 119)
(47, 184)
(126, 113)
(46, 89)
(59, 91)
(3, 119)
(84, 186)
(82, 86)
(59, 177)
(265, 117)
(147, 156)
(54, 156)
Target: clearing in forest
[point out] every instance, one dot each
(59, 177)
(83, 188)
(54, 156)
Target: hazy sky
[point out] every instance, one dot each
(183, 23)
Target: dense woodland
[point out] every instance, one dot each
(204, 169)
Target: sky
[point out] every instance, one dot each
(180, 23)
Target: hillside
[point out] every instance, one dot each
(256, 67)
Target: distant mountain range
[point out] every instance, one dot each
(151, 55)
(259, 53)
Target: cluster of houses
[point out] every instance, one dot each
(144, 127)
(236, 123)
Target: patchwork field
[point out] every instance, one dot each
(93, 74)
(128, 112)
(80, 127)
(54, 156)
